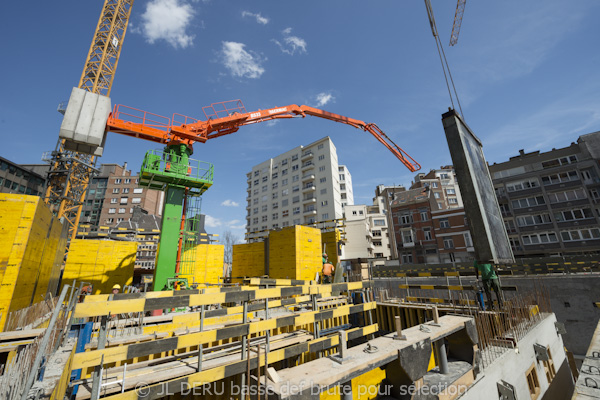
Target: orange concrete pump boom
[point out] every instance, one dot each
(226, 118)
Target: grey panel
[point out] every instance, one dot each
(67, 127)
(477, 190)
(86, 114)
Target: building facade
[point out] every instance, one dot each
(453, 237)
(19, 179)
(551, 201)
(300, 186)
(442, 183)
(346, 190)
(112, 196)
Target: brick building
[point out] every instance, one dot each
(451, 231)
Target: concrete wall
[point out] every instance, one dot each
(512, 367)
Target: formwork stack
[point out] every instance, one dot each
(248, 259)
(330, 242)
(295, 253)
(101, 263)
(32, 245)
(207, 267)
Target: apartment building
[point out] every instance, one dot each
(453, 237)
(346, 191)
(300, 186)
(367, 233)
(550, 201)
(112, 196)
(15, 178)
(442, 183)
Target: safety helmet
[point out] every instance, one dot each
(117, 286)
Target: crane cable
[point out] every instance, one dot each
(442, 54)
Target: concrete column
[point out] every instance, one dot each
(440, 347)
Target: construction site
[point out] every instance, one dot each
(290, 316)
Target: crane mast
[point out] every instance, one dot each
(70, 170)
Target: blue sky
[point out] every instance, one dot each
(526, 72)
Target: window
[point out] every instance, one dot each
(407, 258)
(376, 233)
(295, 167)
(323, 180)
(284, 162)
(522, 185)
(427, 233)
(263, 199)
(127, 181)
(285, 213)
(255, 192)
(112, 210)
(343, 186)
(116, 190)
(537, 238)
(324, 203)
(407, 236)
(529, 202)
(568, 215)
(321, 168)
(323, 191)
(285, 223)
(109, 220)
(138, 190)
(379, 222)
(452, 201)
(265, 178)
(284, 202)
(274, 185)
(256, 173)
(296, 199)
(264, 208)
(549, 367)
(117, 181)
(284, 182)
(450, 191)
(275, 226)
(265, 218)
(353, 212)
(296, 221)
(123, 200)
(275, 215)
(342, 177)
(284, 172)
(274, 176)
(295, 178)
(112, 201)
(436, 195)
(569, 195)
(434, 185)
(256, 182)
(255, 201)
(532, 382)
(119, 220)
(377, 243)
(255, 210)
(296, 188)
(296, 210)
(294, 157)
(275, 205)
(274, 196)
(255, 220)
(319, 147)
(468, 240)
(121, 211)
(560, 161)
(136, 200)
(560, 177)
(444, 223)
(448, 243)
(580, 234)
(406, 219)
(528, 220)
(264, 188)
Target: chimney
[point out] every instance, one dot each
(124, 168)
(522, 152)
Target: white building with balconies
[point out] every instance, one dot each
(300, 186)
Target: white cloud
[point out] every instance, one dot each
(212, 222)
(324, 98)
(230, 203)
(291, 44)
(167, 20)
(236, 224)
(259, 18)
(239, 62)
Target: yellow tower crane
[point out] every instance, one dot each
(70, 169)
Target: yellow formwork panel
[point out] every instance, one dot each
(101, 263)
(295, 253)
(248, 260)
(364, 387)
(31, 250)
(208, 264)
(330, 242)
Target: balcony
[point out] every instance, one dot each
(307, 155)
(308, 177)
(309, 188)
(307, 165)
(309, 200)
(408, 244)
(310, 212)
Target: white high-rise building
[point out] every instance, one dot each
(300, 186)
(346, 191)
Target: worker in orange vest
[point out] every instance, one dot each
(328, 269)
